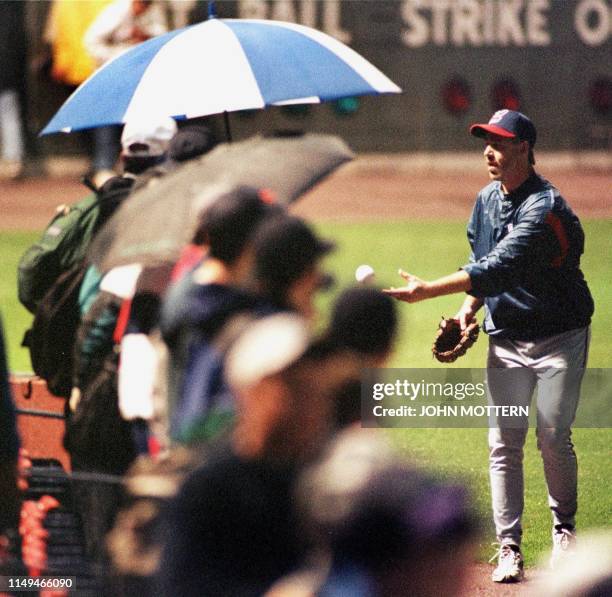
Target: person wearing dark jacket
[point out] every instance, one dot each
(260, 261)
(198, 306)
(525, 269)
(192, 325)
(9, 448)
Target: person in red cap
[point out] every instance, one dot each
(524, 269)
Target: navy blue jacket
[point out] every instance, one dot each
(525, 261)
(192, 317)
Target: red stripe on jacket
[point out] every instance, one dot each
(557, 227)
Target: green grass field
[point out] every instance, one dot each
(430, 249)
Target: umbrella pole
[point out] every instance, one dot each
(228, 131)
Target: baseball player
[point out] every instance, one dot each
(525, 269)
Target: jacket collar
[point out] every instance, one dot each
(518, 195)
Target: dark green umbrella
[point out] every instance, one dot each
(156, 222)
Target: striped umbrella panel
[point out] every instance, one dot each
(220, 65)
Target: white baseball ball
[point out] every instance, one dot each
(364, 274)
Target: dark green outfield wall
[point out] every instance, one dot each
(552, 50)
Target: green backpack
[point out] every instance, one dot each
(66, 240)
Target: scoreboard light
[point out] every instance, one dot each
(600, 94)
(505, 94)
(456, 96)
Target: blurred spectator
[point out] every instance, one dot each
(232, 529)
(407, 535)
(121, 25)
(67, 22)
(389, 529)
(197, 308)
(189, 142)
(71, 63)
(363, 325)
(145, 144)
(281, 260)
(287, 270)
(121, 312)
(12, 87)
(9, 447)
(364, 322)
(143, 374)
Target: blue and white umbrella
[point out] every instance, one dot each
(217, 66)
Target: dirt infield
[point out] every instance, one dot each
(358, 192)
(479, 584)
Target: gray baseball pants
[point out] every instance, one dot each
(555, 366)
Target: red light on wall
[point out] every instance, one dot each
(456, 96)
(600, 94)
(506, 94)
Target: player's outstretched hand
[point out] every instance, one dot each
(414, 291)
